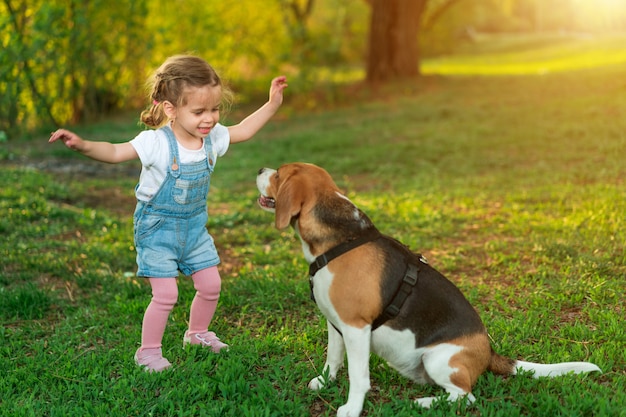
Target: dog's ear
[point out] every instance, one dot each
(289, 201)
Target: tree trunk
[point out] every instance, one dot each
(393, 40)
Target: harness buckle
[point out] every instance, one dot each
(320, 262)
(410, 276)
(392, 310)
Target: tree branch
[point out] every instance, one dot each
(432, 19)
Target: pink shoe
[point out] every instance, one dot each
(151, 359)
(206, 339)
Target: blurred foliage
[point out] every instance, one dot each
(66, 61)
(69, 61)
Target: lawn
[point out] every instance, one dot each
(522, 54)
(511, 186)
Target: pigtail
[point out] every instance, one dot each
(154, 116)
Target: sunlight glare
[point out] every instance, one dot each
(605, 14)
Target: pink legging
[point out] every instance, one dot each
(207, 283)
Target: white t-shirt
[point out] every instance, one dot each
(154, 153)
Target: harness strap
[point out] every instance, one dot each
(323, 260)
(404, 289)
(393, 308)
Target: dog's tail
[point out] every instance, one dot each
(555, 369)
(502, 365)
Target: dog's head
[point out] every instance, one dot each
(292, 190)
(306, 197)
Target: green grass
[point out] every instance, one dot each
(512, 186)
(524, 54)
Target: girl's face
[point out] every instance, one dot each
(195, 119)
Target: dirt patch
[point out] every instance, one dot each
(78, 168)
(117, 200)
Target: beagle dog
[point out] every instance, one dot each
(378, 296)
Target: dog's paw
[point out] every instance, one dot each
(317, 383)
(426, 402)
(347, 410)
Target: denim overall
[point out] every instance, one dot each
(170, 229)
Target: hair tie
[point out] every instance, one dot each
(154, 102)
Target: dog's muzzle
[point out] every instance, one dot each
(266, 202)
(262, 182)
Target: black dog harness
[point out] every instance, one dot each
(405, 287)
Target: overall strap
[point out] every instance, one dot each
(173, 166)
(211, 155)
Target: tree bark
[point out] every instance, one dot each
(393, 39)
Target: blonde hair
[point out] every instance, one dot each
(170, 80)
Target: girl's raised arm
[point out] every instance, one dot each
(253, 123)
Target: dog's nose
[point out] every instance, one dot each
(262, 170)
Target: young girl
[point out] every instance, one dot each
(171, 214)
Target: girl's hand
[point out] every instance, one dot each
(70, 139)
(276, 90)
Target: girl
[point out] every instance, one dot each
(171, 214)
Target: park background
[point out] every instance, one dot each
(487, 134)
(73, 61)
